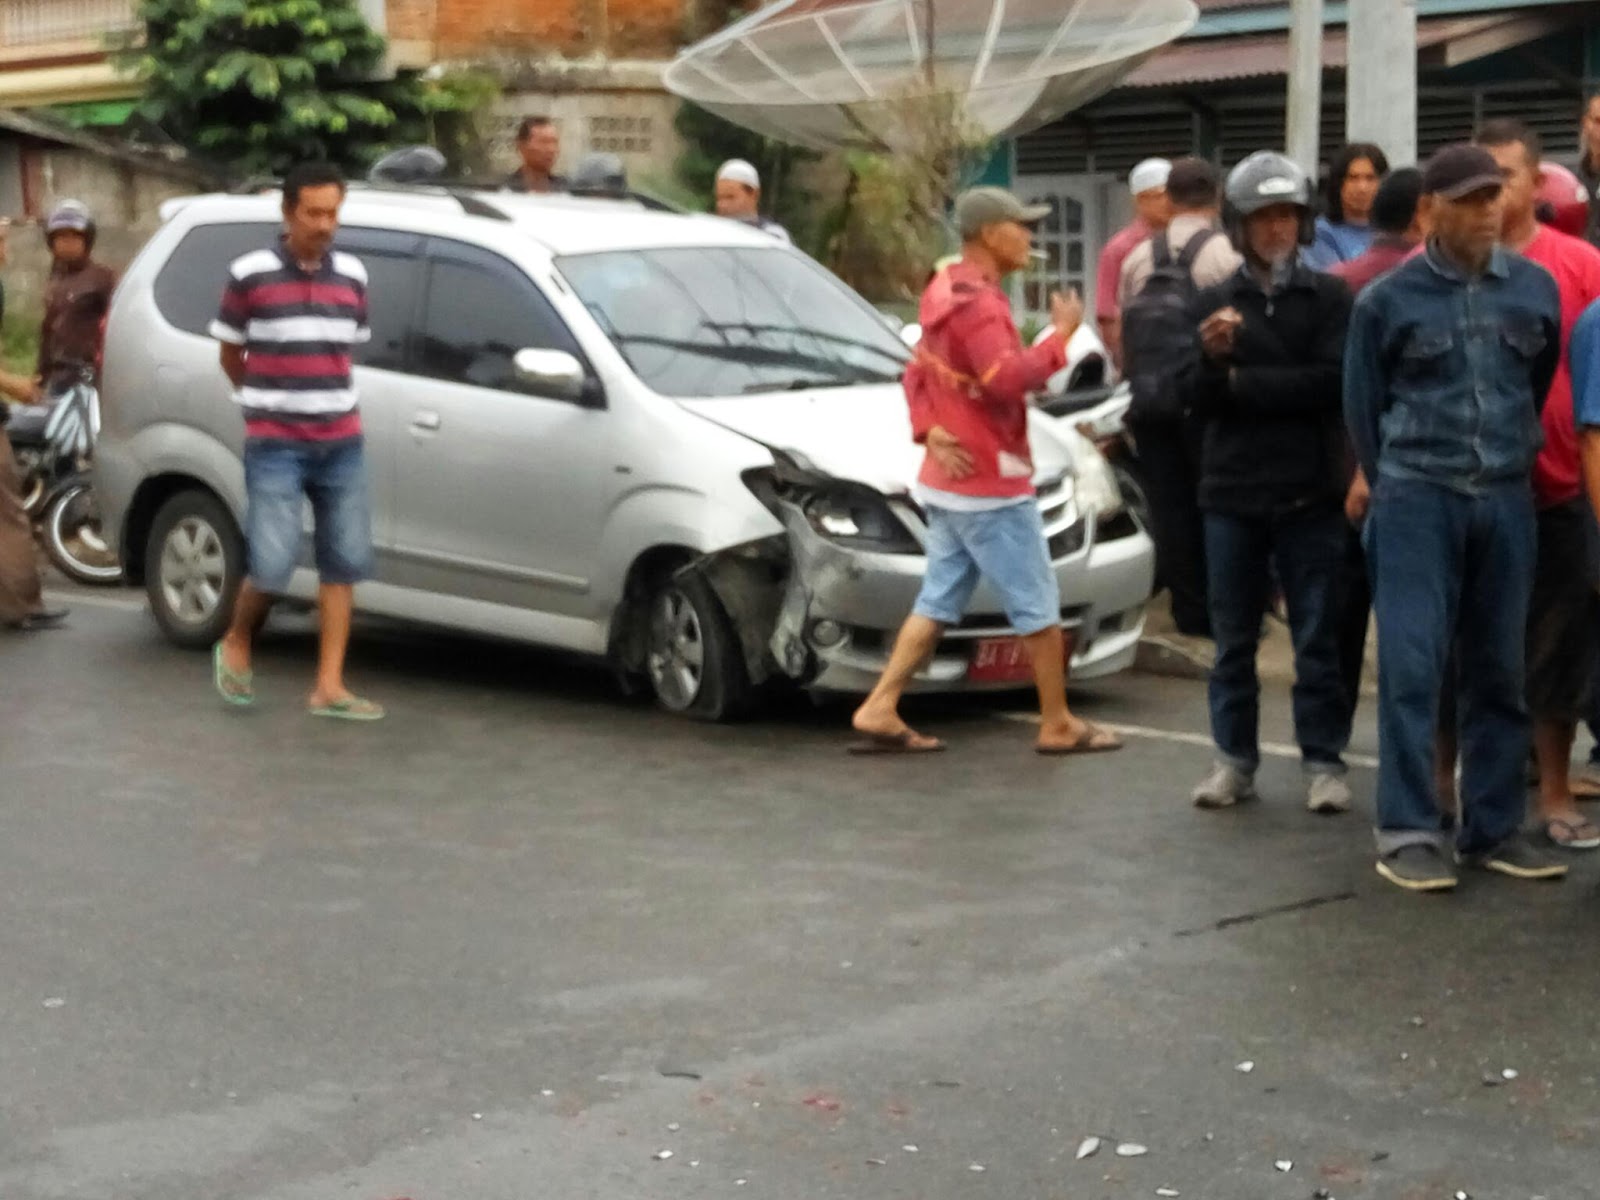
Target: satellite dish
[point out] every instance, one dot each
(838, 73)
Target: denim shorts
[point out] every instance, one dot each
(1005, 546)
(280, 475)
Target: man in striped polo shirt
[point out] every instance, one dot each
(289, 317)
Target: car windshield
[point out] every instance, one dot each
(729, 321)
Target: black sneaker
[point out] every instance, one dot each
(1419, 867)
(1518, 858)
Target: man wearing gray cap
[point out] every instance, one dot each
(1446, 369)
(1152, 209)
(968, 394)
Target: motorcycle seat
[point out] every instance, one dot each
(26, 426)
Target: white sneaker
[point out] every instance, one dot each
(1223, 788)
(1328, 794)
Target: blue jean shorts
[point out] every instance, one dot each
(280, 475)
(1005, 546)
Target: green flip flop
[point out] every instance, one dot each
(235, 687)
(352, 708)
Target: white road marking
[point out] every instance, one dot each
(1186, 738)
(90, 600)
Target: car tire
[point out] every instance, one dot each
(194, 562)
(693, 658)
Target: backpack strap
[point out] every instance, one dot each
(1193, 247)
(1161, 251)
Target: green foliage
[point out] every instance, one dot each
(19, 340)
(710, 141)
(254, 86)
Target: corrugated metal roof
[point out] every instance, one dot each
(1255, 55)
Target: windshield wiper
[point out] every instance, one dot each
(793, 385)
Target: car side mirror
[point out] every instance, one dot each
(558, 375)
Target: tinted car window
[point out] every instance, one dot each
(480, 311)
(721, 321)
(188, 290)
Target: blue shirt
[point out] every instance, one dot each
(1336, 243)
(1584, 358)
(1445, 374)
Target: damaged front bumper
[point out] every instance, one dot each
(830, 624)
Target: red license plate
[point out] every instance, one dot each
(1004, 660)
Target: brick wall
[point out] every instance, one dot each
(566, 27)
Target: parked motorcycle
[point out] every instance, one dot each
(53, 444)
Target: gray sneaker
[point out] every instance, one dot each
(1328, 794)
(1518, 858)
(1223, 788)
(1419, 867)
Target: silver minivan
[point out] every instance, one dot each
(662, 440)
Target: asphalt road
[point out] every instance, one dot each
(523, 938)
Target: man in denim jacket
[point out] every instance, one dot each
(1446, 369)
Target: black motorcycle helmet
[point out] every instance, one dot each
(599, 175)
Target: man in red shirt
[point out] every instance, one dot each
(1152, 210)
(1563, 615)
(968, 394)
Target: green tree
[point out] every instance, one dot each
(254, 86)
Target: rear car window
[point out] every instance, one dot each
(189, 287)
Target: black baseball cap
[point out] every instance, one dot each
(1460, 170)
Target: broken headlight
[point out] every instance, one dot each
(858, 517)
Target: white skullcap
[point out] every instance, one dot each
(1150, 174)
(739, 171)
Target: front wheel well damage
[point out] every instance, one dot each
(748, 579)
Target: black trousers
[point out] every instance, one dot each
(1169, 466)
(1353, 620)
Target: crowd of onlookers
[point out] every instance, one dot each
(1383, 399)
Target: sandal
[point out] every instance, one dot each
(907, 741)
(236, 687)
(1565, 834)
(351, 708)
(1092, 739)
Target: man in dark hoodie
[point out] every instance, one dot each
(968, 395)
(1273, 479)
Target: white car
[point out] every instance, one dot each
(663, 440)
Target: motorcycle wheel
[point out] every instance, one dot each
(73, 539)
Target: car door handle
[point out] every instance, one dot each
(425, 422)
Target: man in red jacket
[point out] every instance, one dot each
(968, 390)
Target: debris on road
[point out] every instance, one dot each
(877, 1162)
(662, 1155)
(1087, 1148)
(1284, 1165)
(909, 1149)
(1165, 1191)
(54, 1002)
(673, 1127)
(1132, 1150)
(547, 1092)
(1418, 1022)
(944, 1083)
(977, 1168)
(477, 1116)
(1245, 1067)
(1508, 1074)
(679, 1073)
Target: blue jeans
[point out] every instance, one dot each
(280, 475)
(1451, 569)
(1307, 548)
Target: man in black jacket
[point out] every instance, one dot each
(1272, 479)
